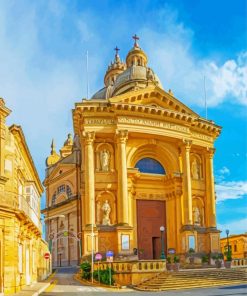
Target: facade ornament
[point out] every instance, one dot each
(195, 169)
(122, 136)
(196, 216)
(89, 137)
(105, 160)
(106, 213)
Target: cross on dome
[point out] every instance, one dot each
(135, 37)
(117, 50)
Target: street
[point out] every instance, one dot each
(65, 285)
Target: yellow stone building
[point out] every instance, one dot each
(21, 246)
(237, 245)
(140, 159)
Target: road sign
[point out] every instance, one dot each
(47, 256)
(98, 256)
(171, 251)
(109, 256)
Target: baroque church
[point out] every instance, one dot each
(140, 161)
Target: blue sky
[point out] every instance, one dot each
(43, 48)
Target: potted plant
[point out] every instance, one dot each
(205, 260)
(228, 260)
(169, 263)
(218, 259)
(176, 260)
(191, 255)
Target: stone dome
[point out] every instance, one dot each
(119, 80)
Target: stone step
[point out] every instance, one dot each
(193, 279)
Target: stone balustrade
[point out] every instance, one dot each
(133, 272)
(239, 262)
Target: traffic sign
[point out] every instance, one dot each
(47, 256)
(98, 256)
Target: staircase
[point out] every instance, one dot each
(188, 279)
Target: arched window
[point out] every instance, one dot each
(61, 189)
(150, 166)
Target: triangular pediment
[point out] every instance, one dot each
(59, 170)
(153, 96)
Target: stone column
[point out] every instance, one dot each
(89, 210)
(187, 195)
(210, 190)
(122, 200)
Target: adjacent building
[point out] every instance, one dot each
(237, 245)
(21, 246)
(140, 159)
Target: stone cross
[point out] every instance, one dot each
(135, 37)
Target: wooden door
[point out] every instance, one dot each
(150, 216)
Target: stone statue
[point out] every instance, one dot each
(106, 213)
(196, 216)
(195, 170)
(105, 160)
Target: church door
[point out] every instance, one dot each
(150, 216)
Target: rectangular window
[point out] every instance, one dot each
(235, 248)
(125, 238)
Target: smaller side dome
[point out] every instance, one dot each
(53, 157)
(67, 147)
(136, 56)
(114, 69)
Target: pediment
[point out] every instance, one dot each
(154, 97)
(59, 170)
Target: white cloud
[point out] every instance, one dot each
(231, 190)
(234, 227)
(172, 57)
(224, 171)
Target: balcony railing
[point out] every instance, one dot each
(12, 201)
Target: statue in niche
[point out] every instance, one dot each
(106, 213)
(105, 160)
(195, 170)
(196, 216)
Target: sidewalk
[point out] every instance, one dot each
(33, 290)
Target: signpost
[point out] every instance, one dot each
(109, 258)
(98, 257)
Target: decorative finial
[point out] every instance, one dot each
(53, 147)
(117, 58)
(135, 37)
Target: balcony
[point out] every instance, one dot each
(12, 201)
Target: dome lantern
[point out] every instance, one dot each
(136, 55)
(114, 69)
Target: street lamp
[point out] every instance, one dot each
(162, 230)
(227, 234)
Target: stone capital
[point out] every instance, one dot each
(89, 137)
(210, 152)
(122, 136)
(186, 144)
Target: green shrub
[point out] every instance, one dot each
(176, 259)
(86, 270)
(169, 260)
(205, 259)
(104, 276)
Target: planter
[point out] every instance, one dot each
(169, 266)
(176, 266)
(228, 264)
(218, 264)
(192, 260)
(204, 264)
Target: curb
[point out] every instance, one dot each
(41, 289)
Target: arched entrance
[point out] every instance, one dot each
(151, 211)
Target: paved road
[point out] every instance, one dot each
(64, 284)
(67, 286)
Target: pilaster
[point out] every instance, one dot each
(89, 208)
(210, 192)
(122, 201)
(187, 195)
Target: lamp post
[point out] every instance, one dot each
(162, 230)
(227, 238)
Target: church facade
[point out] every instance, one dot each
(140, 159)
